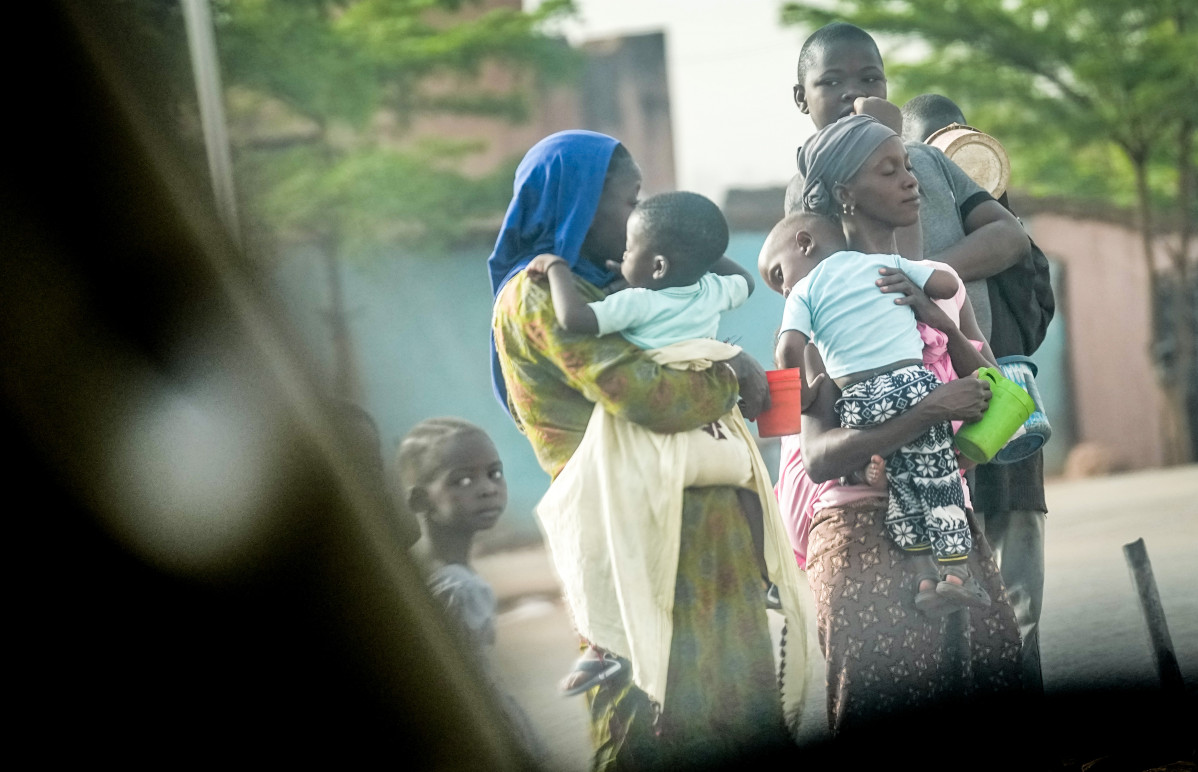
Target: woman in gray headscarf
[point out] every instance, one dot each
(872, 349)
(880, 612)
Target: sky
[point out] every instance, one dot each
(731, 67)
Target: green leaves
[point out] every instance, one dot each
(374, 195)
(1060, 82)
(323, 95)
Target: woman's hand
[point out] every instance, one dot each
(754, 390)
(964, 399)
(894, 281)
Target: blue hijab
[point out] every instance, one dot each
(554, 198)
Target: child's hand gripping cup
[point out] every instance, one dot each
(1009, 407)
(785, 413)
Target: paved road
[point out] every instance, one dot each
(1092, 632)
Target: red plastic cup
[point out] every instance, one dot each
(785, 413)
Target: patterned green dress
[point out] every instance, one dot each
(722, 693)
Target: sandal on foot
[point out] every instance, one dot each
(968, 593)
(930, 602)
(594, 667)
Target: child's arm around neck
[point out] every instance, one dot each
(573, 313)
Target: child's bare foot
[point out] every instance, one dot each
(927, 578)
(875, 472)
(594, 667)
(873, 475)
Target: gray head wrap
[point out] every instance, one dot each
(833, 155)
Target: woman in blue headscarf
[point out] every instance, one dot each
(573, 194)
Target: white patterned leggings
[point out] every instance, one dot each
(927, 505)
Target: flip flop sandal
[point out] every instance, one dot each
(929, 602)
(968, 593)
(593, 668)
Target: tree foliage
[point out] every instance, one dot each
(1095, 100)
(1076, 89)
(323, 91)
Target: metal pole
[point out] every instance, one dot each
(1154, 617)
(206, 69)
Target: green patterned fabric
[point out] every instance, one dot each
(722, 693)
(554, 378)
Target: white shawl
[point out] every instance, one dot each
(612, 519)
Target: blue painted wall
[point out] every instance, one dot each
(420, 328)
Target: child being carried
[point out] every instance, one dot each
(679, 284)
(869, 342)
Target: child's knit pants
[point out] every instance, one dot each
(927, 505)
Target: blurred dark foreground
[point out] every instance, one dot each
(202, 570)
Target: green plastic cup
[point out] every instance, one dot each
(1009, 407)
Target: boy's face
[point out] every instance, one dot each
(639, 260)
(784, 268)
(469, 491)
(839, 73)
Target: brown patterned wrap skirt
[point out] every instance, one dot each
(885, 660)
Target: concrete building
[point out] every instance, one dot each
(1111, 399)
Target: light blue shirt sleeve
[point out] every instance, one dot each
(796, 314)
(732, 290)
(671, 311)
(621, 310)
(919, 273)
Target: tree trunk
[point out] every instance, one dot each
(346, 382)
(1175, 435)
(1184, 297)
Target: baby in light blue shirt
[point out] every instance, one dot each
(679, 281)
(856, 328)
(873, 352)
